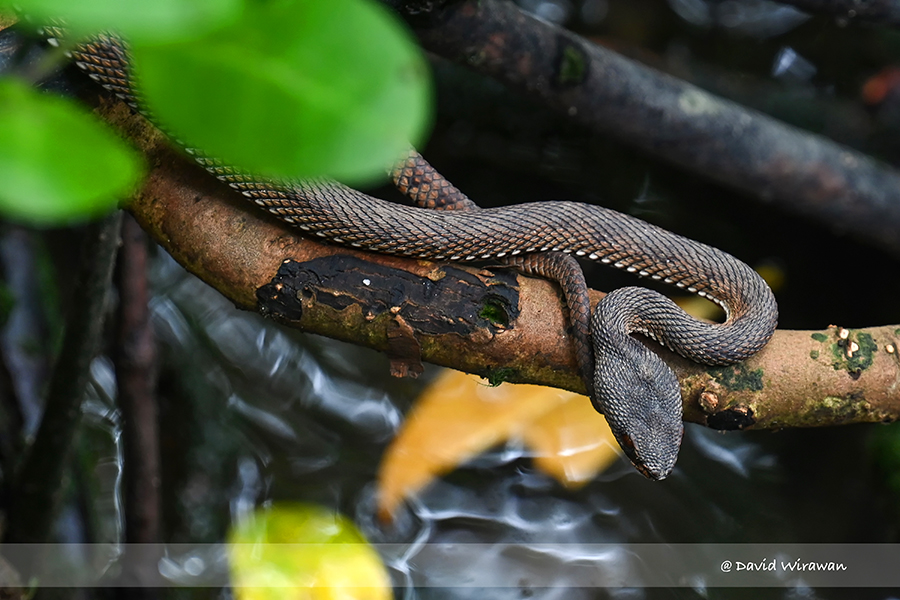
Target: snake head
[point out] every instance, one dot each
(641, 399)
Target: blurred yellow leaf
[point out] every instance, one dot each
(304, 552)
(773, 274)
(705, 309)
(572, 442)
(700, 308)
(458, 417)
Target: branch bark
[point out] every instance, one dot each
(488, 320)
(669, 118)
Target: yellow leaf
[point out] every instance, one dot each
(458, 417)
(572, 442)
(304, 552)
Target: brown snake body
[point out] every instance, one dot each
(630, 384)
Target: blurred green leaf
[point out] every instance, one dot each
(134, 19)
(316, 553)
(299, 88)
(58, 162)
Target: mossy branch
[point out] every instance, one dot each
(666, 117)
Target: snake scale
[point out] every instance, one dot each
(631, 385)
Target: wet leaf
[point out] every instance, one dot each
(58, 162)
(458, 416)
(306, 552)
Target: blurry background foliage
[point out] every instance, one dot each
(287, 89)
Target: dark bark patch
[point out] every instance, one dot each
(738, 417)
(458, 302)
(404, 350)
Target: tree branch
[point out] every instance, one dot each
(481, 320)
(134, 356)
(874, 11)
(668, 118)
(512, 328)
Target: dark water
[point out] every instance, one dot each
(268, 414)
(271, 414)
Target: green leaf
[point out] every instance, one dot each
(300, 88)
(58, 162)
(133, 19)
(316, 553)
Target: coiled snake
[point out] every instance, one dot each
(629, 384)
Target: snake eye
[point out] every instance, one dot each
(628, 447)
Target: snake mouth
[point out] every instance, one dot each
(649, 474)
(655, 475)
(628, 447)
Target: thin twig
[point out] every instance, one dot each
(40, 474)
(873, 11)
(135, 363)
(11, 425)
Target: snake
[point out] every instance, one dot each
(629, 383)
